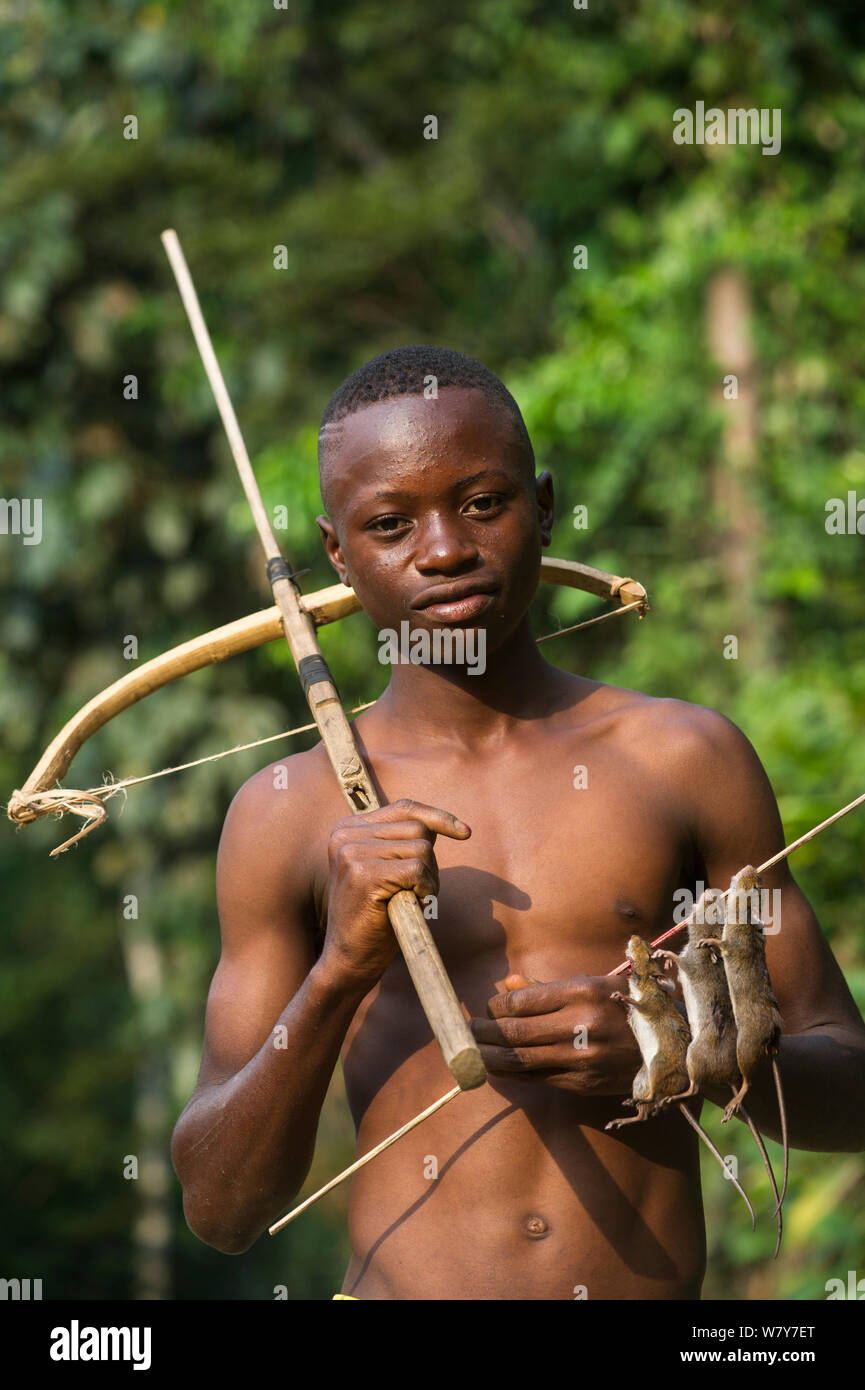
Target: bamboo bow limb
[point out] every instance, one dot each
(451, 1095)
(430, 979)
(40, 795)
(243, 635)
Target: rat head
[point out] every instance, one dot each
(743, 901)
(643, 968)
(434, 514)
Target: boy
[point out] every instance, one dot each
(515, 1190)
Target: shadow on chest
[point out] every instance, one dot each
(578, 877)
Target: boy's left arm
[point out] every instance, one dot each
(718, 783)
(822, 1056)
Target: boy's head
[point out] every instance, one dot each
(416, 370)
(428, 477)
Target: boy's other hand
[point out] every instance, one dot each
(568, 1033)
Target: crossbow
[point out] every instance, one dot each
(297, 621)
(41, 794)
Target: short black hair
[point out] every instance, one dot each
(404, 371)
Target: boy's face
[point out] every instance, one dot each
(434, 516)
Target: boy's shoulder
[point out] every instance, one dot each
(666, 716)
(676, 737)
(289, 795)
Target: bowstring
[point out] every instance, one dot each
(89, 803)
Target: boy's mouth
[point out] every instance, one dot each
(461, 610)
(457, 602)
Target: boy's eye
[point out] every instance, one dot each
(485, 503)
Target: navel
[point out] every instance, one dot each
(536, 1227)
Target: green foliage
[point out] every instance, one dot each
(302, 127)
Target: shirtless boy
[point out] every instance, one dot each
(435, 516)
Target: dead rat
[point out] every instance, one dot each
(663, 1038)
(755, 1008)
(711, 1056)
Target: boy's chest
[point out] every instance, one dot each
(566, 860)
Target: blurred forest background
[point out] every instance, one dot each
(303, 127)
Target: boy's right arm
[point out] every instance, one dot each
(276, 1016)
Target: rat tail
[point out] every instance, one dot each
(782, 1111)
(768, 1166)
(711, 1147)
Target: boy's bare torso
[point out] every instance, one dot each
(515, 1190)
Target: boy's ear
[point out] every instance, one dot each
(544, 494)
(332, 547)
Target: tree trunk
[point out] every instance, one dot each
(153, 1225)
(735, 492)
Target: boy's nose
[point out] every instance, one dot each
(442, 546)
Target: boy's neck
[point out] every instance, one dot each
(451, 703)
